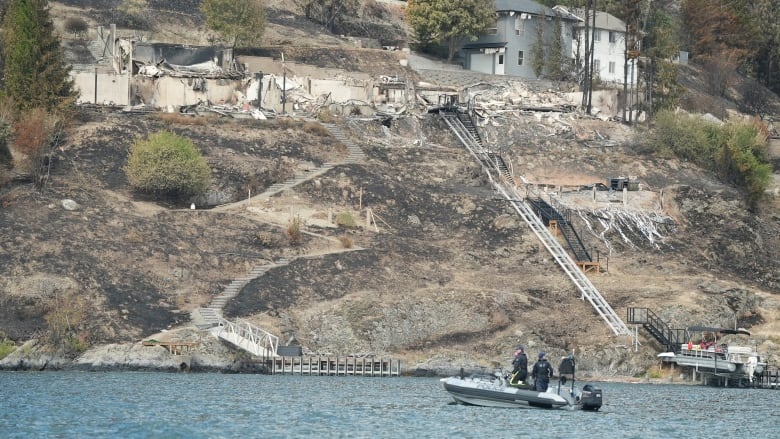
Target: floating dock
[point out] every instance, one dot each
(335, 366)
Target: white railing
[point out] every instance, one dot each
(248, 337)
(509, 191)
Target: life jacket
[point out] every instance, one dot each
(542, 370)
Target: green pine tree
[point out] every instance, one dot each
(35, 72)
(448, 22)
(240, 23)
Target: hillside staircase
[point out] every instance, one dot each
(354, 155)
(241, 334)
(671, 339)
(500, 177)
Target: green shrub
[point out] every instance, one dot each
(167, 164)
(346, 220)
(687, 137)
(5, 136)
(742, 160)
(6, 346)
(737, 152)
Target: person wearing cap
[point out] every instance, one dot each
(542, 372)
(519, 368)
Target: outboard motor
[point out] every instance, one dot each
(590, 398)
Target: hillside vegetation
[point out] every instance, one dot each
(445, 275)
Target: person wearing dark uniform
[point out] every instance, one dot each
(542, 372)
(519, 367)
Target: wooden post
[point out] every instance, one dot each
(661, 197)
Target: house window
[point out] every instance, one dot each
(612, 67)
(597, 35)
(520, 58)
(612, 37)
(596, 66)
(520, 24)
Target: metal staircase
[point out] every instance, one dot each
(470, 127)
(672, 339)
(564, 225)
(504, 184)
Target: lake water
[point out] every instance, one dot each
(158, 405)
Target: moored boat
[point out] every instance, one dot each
(738, 364)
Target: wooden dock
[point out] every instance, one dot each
(770, 379)
(335, 366)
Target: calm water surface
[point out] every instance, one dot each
(157, 405)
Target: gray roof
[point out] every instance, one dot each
(523, 6)
(604, 20)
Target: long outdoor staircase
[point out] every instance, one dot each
(241, 333)
(671, 339)
(503, 182)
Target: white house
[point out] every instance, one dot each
(609, 48)
(508, 48)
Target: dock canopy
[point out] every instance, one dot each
(720, 330)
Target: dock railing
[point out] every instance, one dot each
(336, 366)
(248, 337)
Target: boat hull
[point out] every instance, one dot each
(494, 394)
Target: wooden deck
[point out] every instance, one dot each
(174, 347)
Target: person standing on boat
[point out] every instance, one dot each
(519, 367)
(542, 372)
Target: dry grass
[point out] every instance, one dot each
(315, 129)
(294, 233)
(181, 119)
(346, 241)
